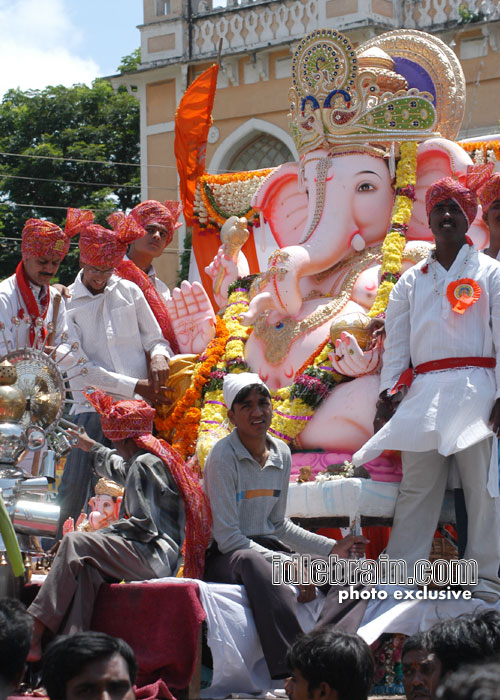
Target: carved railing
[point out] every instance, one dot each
(254, 25)
(423, 14)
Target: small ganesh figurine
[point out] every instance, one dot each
(105, 507)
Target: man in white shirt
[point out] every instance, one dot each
(444, 318)
(121, 339)
(157, 222)
(27, 296)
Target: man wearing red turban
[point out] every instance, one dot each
(26, 294)
(489, 196)
(162, 502)
(118, 334)
(443, 320)
(158, 222)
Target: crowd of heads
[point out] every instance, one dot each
(457, 658)
(74, 667)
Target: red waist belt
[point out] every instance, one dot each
(408, 375)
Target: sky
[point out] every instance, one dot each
(62, 42)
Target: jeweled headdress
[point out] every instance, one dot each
(346, 99)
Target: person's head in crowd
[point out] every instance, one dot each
(489, 196)
(101, 249)
(43, 246)
(420, 667)
(474, 682)
(249, 405)
(451, 208)
(329, 665)
(158, 221)
(466, 639)
(15, 638)
(87, 665)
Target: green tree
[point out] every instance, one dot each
(130, 62)
(62, 147)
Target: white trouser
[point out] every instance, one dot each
(420, 501)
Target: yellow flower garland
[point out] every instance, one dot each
(290, 414)
(395, 240)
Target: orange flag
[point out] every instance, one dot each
(193, 119)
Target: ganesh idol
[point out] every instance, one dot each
(374, 127)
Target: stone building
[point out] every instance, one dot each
(179, 39)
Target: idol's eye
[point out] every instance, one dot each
(365, 187)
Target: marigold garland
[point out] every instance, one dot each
(395, 239)
(482, 151)
(182, 425)
(293, 405)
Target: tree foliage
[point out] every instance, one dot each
(63, 127)
(130, 62)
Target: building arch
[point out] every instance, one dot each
(243, 136)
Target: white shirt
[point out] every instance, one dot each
(157, 283)
(116, 329)
(11, 302)
(449, 410)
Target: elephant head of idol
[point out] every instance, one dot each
(374, 127)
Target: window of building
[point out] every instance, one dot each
(162, 7)
(265, 151)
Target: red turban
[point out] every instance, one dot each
(152, 211)
(490, 192)
(134, 419)
(41, 239)
(98, 245)
(122, 419)
(464, 195)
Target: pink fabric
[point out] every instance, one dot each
(100, 246)
(41, 239)
(122, 419)
(384, 468)
(490, 192)
(152, 211)
(464, 195)
(160, 621)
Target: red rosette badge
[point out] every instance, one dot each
(462, 294)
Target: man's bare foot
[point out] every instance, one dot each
(35, 652)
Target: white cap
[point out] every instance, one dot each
(234, 383)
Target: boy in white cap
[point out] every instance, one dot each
(246, 479)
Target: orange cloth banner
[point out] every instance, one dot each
(193, 119)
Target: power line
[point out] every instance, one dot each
(42, 206)
(66, 182)
(109, 162)
(82, 160)
(76, 182)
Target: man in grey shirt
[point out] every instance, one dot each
(161, 500)
(246, 479)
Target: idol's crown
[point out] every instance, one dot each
(342, 99)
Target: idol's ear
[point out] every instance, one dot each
(438, 158)
(283, 203)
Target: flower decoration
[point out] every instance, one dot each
(395, 240)
(482, 151)
(182, 425)
(293, 405)
(462, 294)
(218, 197)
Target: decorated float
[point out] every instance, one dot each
(300, 259)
